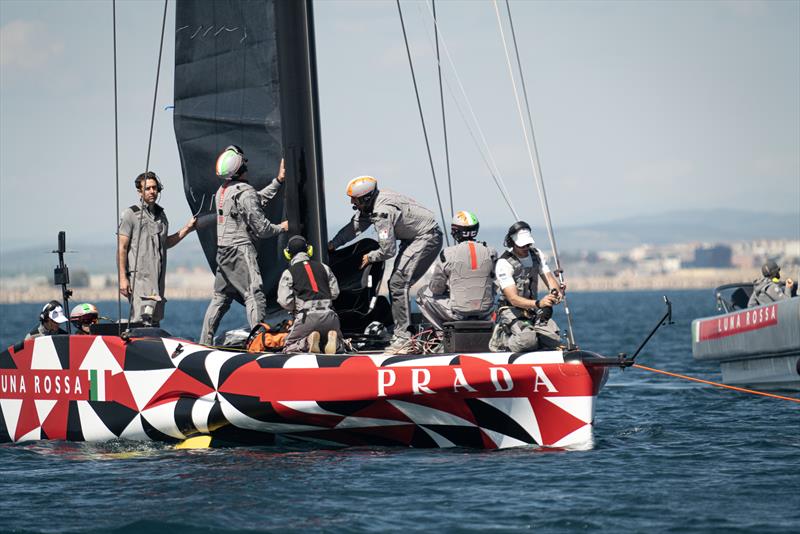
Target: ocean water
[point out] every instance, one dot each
(669, 456)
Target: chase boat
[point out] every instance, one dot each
(757, 346)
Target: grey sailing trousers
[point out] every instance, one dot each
(413, 259)
(237, 273)
(513, 333)
(305, 322)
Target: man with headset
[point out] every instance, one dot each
(240, 221)
(142, 250)
(769, 288)
(307, 290)
(50, 319)
(524, 321)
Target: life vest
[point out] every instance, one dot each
(265, 338)
(525, 278)
(310, 281)
(231, 223)
(471, 277)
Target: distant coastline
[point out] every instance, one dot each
(197, 285)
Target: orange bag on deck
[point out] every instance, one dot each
(265, 338)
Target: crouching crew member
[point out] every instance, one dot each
(769, 288)
(83, 316)
(523, 322)
(240, 221)
(462, 283)
(50, 319)
(395, 217)
(307, 289)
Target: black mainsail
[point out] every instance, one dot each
(240, 66)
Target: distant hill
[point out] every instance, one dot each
(674, 227)
(94, 258)
(719, 225)
(715, 226)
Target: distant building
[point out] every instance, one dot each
(718, 256)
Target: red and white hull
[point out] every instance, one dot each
(98, 388)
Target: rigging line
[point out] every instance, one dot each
(533, 156)
(116, 162)
(717, 384)
(491, 164)
(147, 166)
(444, 121)
(424, 129)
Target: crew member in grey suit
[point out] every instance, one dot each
(769, 288)
(307, 290)
(395, 217)
(240, 221)
(461, 286)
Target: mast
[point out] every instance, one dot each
(299, 108)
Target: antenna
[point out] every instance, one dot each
(61, 274)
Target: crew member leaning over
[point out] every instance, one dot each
(396, 217)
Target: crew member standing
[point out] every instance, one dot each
(769, 288)
(395, 217)
(240, 221)
(142, 250)
(523, 321)
(462, 282)
(50, 319)
(307, 290)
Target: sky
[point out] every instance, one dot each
(638, 108)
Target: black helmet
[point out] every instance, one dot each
(295, 245)
(771, 270)
(464, 226)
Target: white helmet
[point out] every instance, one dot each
(85, 313)
(231, 163)
(362, 191)
(361, 185)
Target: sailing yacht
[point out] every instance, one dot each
(245, 74)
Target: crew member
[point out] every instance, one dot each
(50, 318)
(462, 283)
(240, 221)
(142, 250)
(307, 290)
(395, 217)
(769, 288)
(523, 321)
(83, 316)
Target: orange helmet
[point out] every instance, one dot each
(362, 191)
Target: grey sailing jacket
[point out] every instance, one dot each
(240, 213)
(395, 217)
(466, 271)
(765, 291)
